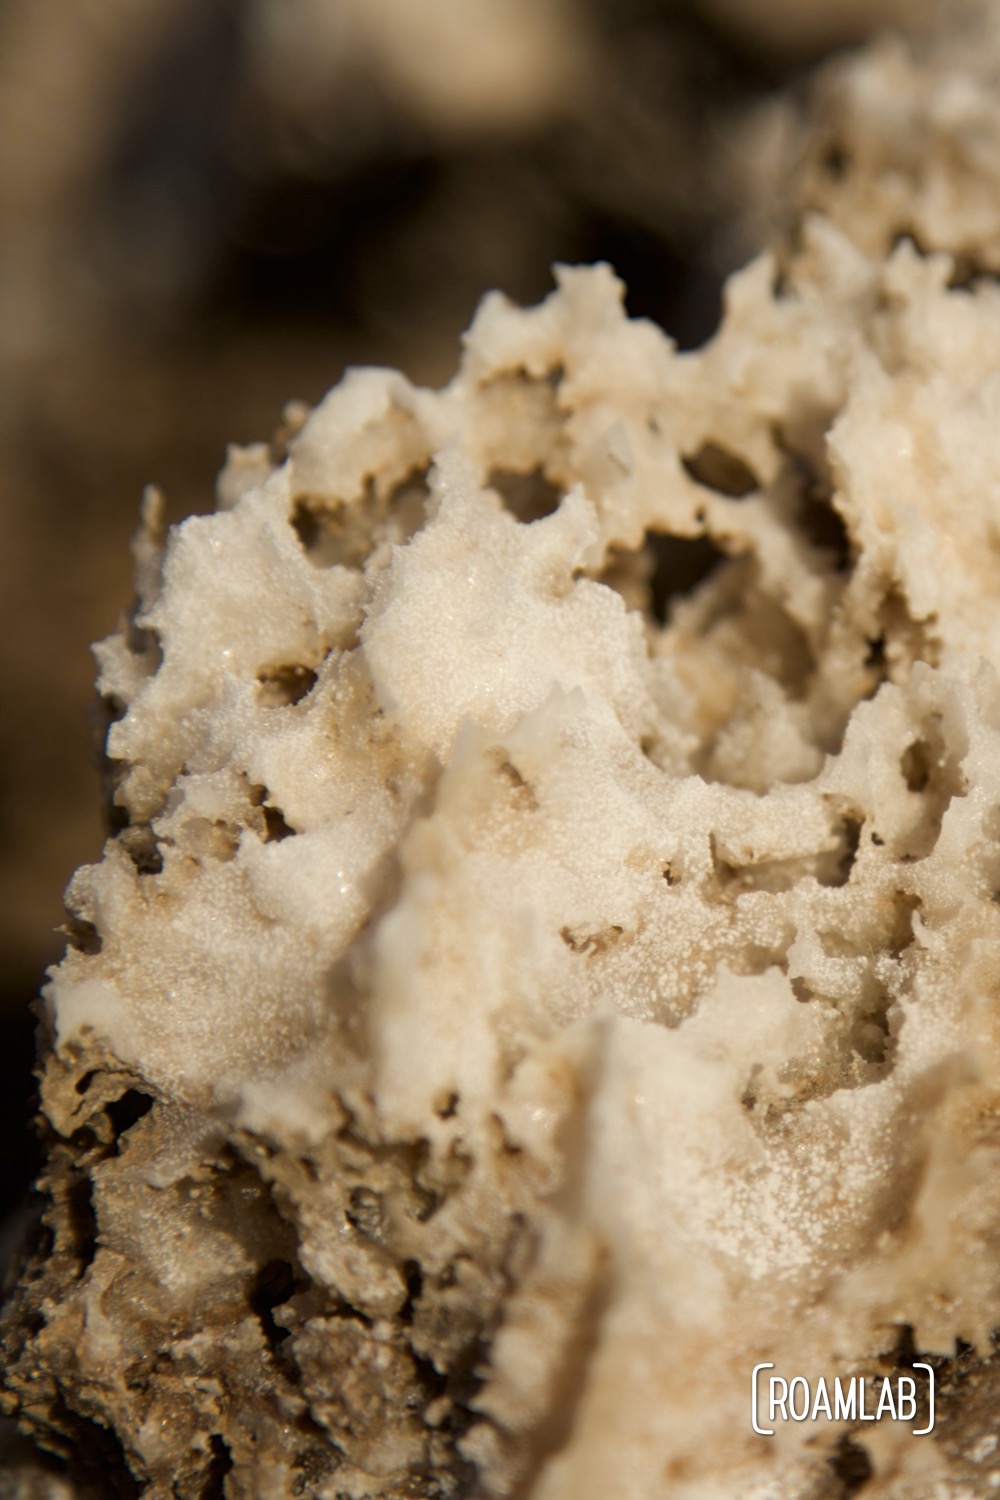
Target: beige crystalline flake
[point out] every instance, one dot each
(547, 959)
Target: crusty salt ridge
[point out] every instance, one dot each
(899, 139)
(519, 998)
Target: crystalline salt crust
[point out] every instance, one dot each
(547, 959)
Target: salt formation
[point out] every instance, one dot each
(546, 961)
(903, 139)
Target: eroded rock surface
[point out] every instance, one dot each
(547, 957)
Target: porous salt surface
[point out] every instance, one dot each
(547, 961)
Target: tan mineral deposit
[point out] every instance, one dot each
(546, 958)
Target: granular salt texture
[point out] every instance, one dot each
(547, 959)
(902, 138)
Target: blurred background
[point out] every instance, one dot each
(210, 207)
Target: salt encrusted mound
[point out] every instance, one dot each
(902, 139)
(547, 961)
